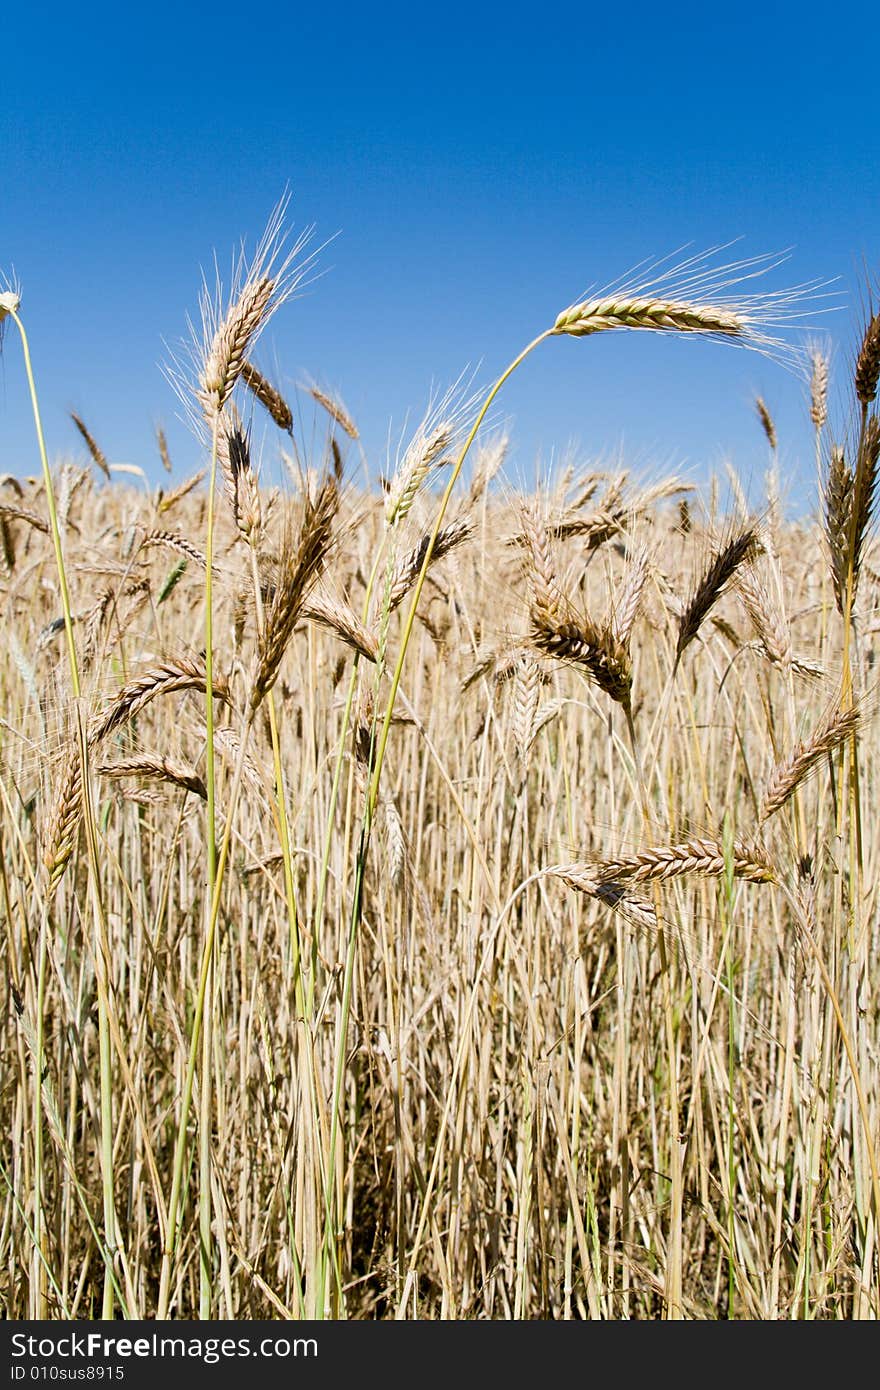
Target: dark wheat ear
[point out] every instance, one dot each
(864, 494)
(766, 420)
(596, 650)
(95, 453)
(162, 446)
(239, 481)
(742, 546)
(302, 561)
(838, 520)
(270, 397)
(868, 362)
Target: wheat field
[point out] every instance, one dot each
(431, 900)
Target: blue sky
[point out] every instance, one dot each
(481, 167)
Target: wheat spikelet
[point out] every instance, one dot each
(7, 546)
(766, 420)
(230, 343)
(227, 743)
(97, 455)
(694, 297)
(582, 878)
(488, 461)
(868, 362)
(228, 334)
(269, 397)
(712, 584)
(596, 528)
(93, 625)
(502, 665)
(697, 856)
(180, 774)
(10, 299)
(395, 841)
(95, 619)
(837, 726)
(336, 410)
(424, 453)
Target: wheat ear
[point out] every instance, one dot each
(698, 856)
(167, 500)
(269, 396)
(596, 650)
(711, 585)
(766, 420)
(835, 728)
(867, 370)
(180, 774)
(596, 315)
(336, 410)
(301, 564)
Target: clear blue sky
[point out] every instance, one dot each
(482, 166)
